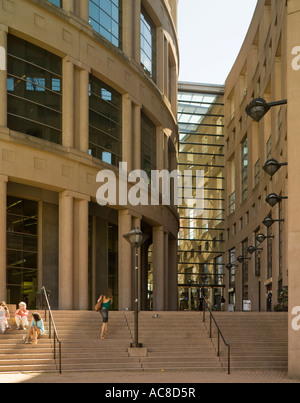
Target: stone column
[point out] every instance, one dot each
(84, 10)
(158, 269)
(293, 96)
(3, 75)
(84, 111)
(3, 212)
(167, 284)
(127, 132)
(68, 5)
(137, 136)
(173, 275)
(68, 103)
(160, 60)
(81, 255)
(66, 227)
(128, 28)
(125, 262)
(136, 30)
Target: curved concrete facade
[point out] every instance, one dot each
(74, 255)
(267, 67)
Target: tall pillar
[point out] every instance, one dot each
(166, 253)
(173, 275)
(127, 132)
(81, 253)
(160, 60)
(66, 227)
(293, 96)
(158, 269)
(3, 211)
(68, 103)
(125, 262)
(3, 75)
(84, 10)
(68, 5)
(136, 28)
(128, 37)
(84, 111)
(137, 136)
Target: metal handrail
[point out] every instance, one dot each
(55, 335)
(212, 319)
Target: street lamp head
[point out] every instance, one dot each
(136, 237)
(261, 238)
(251, 250)
(230, 266)
(241, 259)
(268, 222)
(272, 166)
(273, 199)
(257, 109)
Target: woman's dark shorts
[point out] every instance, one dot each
(104, 314)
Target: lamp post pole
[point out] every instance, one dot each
(136, 298)
(136, 239)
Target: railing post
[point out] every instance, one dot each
(60, 366)
(210, 327)
(218, 344)
(55, 336)
(229, 361)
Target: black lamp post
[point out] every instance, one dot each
(242, 259)
(274, 199)
(230, 266)
(269, 221)
(272, 166)
(258, 108)
(253, 249)
(136, 239)
(261, 237)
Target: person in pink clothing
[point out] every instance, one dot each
(21, 316)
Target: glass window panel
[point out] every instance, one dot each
(105, 134)
(148, 44)
(148, 145)
(105, 19)
(34, 90)
(22, 250)
(14, 258)
(56, 2)
(15, 277)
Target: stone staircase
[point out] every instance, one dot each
(16, 356)
(175, 341)
(259, 341)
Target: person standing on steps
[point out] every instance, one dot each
(106, 299)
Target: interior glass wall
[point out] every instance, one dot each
(201, 237)
(105, 123)
(22, 251)
(148, 145)
(34, 91)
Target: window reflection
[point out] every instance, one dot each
(22, 251)
(105, 18)
(148, 44)
(105, 137)
(34, 91)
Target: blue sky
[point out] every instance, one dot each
(211, 33)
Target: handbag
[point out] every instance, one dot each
(99, 304)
